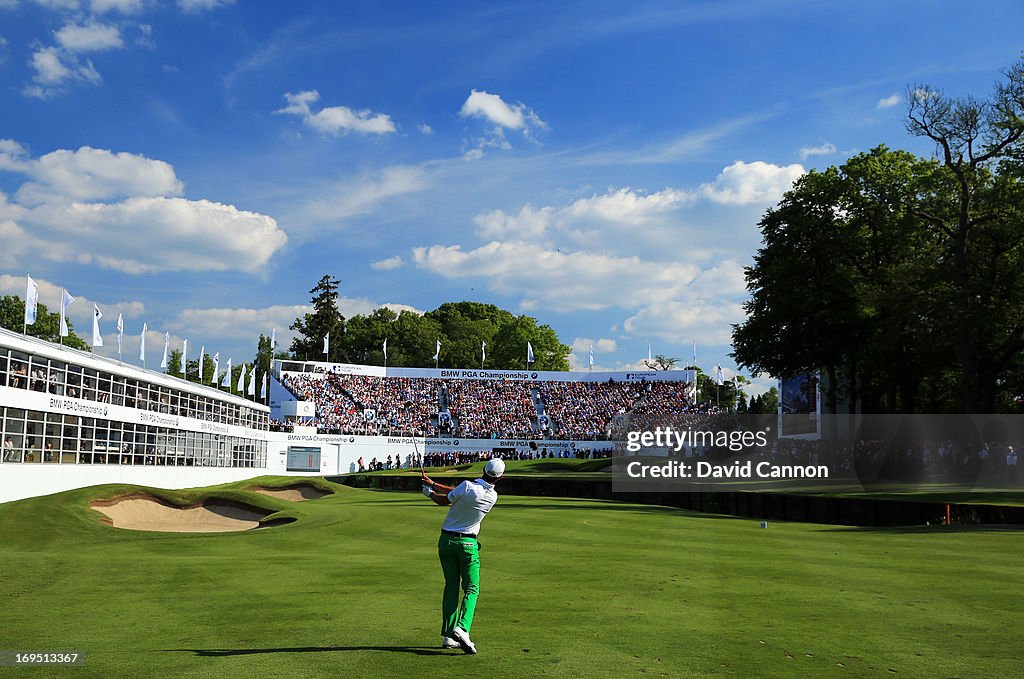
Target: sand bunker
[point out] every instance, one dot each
(297, 493)
(144, 512)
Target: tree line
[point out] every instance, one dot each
(471, 334)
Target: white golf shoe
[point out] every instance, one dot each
(448, 642)
(462, 637)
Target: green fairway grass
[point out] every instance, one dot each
(569, 588)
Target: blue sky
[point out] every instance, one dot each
(602, 166)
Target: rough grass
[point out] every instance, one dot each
(570, 588)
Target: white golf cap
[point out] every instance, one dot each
(495, 467)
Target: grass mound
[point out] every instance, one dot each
(293, 493)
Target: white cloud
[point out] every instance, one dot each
(58, 4)
(560, 281)
(13, 156)
(759, 384)
(388, 264)
(825, 149)
(234, 324)
(229, 326)
(147, 235)
(757, 182)
(493, 109)
(581, 346)
(626, 207)
(708, 321)
(334, 120)
(54, 68)
(91, 37)
(123, 6)
(123, 211)
(356, 196)
(704, 311)
(96, 174)
(192, 6)
(425, 129)
(890, 101)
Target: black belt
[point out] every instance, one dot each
(459, 535)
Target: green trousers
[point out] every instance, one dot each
(460, 563)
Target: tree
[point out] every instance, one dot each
(661, 362)
(978, 225)
(847, 282)
(174, 363)
(193, 370)
(46, 327)
(325, 320)
(365, 335)
(465, 325)
(510, 350)
(461, 327)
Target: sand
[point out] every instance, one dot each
(148, 513)
(293, 493)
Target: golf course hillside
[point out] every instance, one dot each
(570, 587)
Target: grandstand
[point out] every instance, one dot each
(517, 405)
(70, 419)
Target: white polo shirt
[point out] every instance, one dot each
(470, 502)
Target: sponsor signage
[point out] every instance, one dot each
(48, 403)
(410, 444)
(513, 375)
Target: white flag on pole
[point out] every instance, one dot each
(695, 353)
(263, 389)
(202, 351)
(120, 333)
(142, 343)
(385, 348)
(97, 338)
(31, 300)
(66, 300)
(649, 358)
(529, 352)
(167, 345)
(226, 380)
(327, 342)
(216, 368)
(273, 339)
(591, 355)
(240, 387)
(483, 351)
(252, 381)
(437, 352)
(184, 358)
(719, 376)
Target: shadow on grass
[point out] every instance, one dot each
(228, 652)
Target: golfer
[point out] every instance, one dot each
(459, 550)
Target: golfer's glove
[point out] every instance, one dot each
(427, 491)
